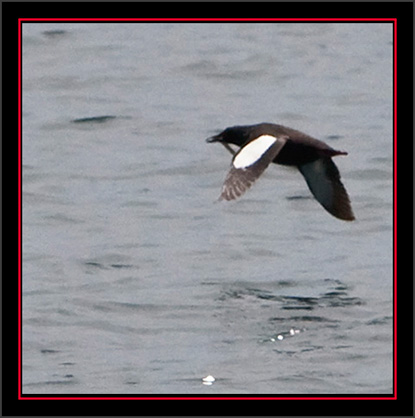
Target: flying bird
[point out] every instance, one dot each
(261, 144)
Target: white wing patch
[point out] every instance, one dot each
(252, 152)
(241, 177)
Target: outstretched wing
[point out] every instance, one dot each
(249, 163)
(323, 179)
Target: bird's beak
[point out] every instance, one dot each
(216, 138)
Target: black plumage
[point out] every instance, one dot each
(265, 143)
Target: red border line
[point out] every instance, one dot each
(395, 207)
(19, 211)
(189, 20)
(207, 398)
(222, 19)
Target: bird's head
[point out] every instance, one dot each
(238, 135)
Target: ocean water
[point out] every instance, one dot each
(136, 280)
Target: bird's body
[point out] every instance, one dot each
(264, 143)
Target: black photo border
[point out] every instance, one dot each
(397, 14)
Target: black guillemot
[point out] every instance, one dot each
(264, 143)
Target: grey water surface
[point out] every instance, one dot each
(136, 280)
